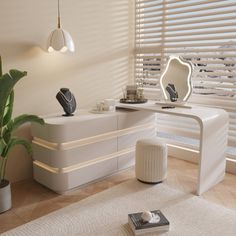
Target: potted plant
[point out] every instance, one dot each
(7, 127)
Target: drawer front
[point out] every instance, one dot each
(65, 158)
(125, 161)
(135, 118)
(74, 130)
(63, 182)
(129, 140)
(92, 172)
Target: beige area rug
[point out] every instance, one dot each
(106, 214)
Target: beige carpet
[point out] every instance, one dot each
(106, 214)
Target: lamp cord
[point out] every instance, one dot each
(58, 15)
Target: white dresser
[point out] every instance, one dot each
(72, 151)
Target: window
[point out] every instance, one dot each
(203, 32)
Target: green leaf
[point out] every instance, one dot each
(16, 141)
(6, 134)
(18, 121)
(16, 74)
(8, 109)
(7, 82)
(0, 66)
(2, 146)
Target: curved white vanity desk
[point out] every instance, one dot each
(213, 138)
(72, 151)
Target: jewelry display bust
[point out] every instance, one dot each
(67, 101)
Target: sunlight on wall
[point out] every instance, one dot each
(101, 65)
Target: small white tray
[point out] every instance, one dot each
(101, 112)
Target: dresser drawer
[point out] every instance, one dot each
(129, 140)
(127, 160)
(63, 130)
(133, 118)
(64, 158)
(62, 182)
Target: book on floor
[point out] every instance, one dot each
(139, 227)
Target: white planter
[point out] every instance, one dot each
(5, 196)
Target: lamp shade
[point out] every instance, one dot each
(60, 40)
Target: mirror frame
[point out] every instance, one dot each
(190, 67)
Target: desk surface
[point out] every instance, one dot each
(196, 112)
(80, 115)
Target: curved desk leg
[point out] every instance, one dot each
(213, 144)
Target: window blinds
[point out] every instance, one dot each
(203, 32)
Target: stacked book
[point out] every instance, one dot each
(139, 226)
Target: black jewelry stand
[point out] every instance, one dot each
(67, 101)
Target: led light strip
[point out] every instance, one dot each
(46, 167)
(84, 164)
(90, 140)
(231, 160)
(183, 148)
(45, 144)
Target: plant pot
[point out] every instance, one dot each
(5, 196)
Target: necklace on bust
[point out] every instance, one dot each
(65, 98)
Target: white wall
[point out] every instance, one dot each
(102, 64)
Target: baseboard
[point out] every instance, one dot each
(231, 166)
(191, 155)
(183, 153)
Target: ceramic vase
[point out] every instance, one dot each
(5, 196)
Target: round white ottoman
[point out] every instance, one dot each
(151, 160)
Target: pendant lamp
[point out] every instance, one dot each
(60, 39)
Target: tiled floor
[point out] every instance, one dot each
(31, 200)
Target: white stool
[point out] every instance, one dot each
(151, 160)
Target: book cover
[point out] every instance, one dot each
(137, 224)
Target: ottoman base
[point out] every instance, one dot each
(146, 182)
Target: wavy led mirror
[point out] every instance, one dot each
(176, 80)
